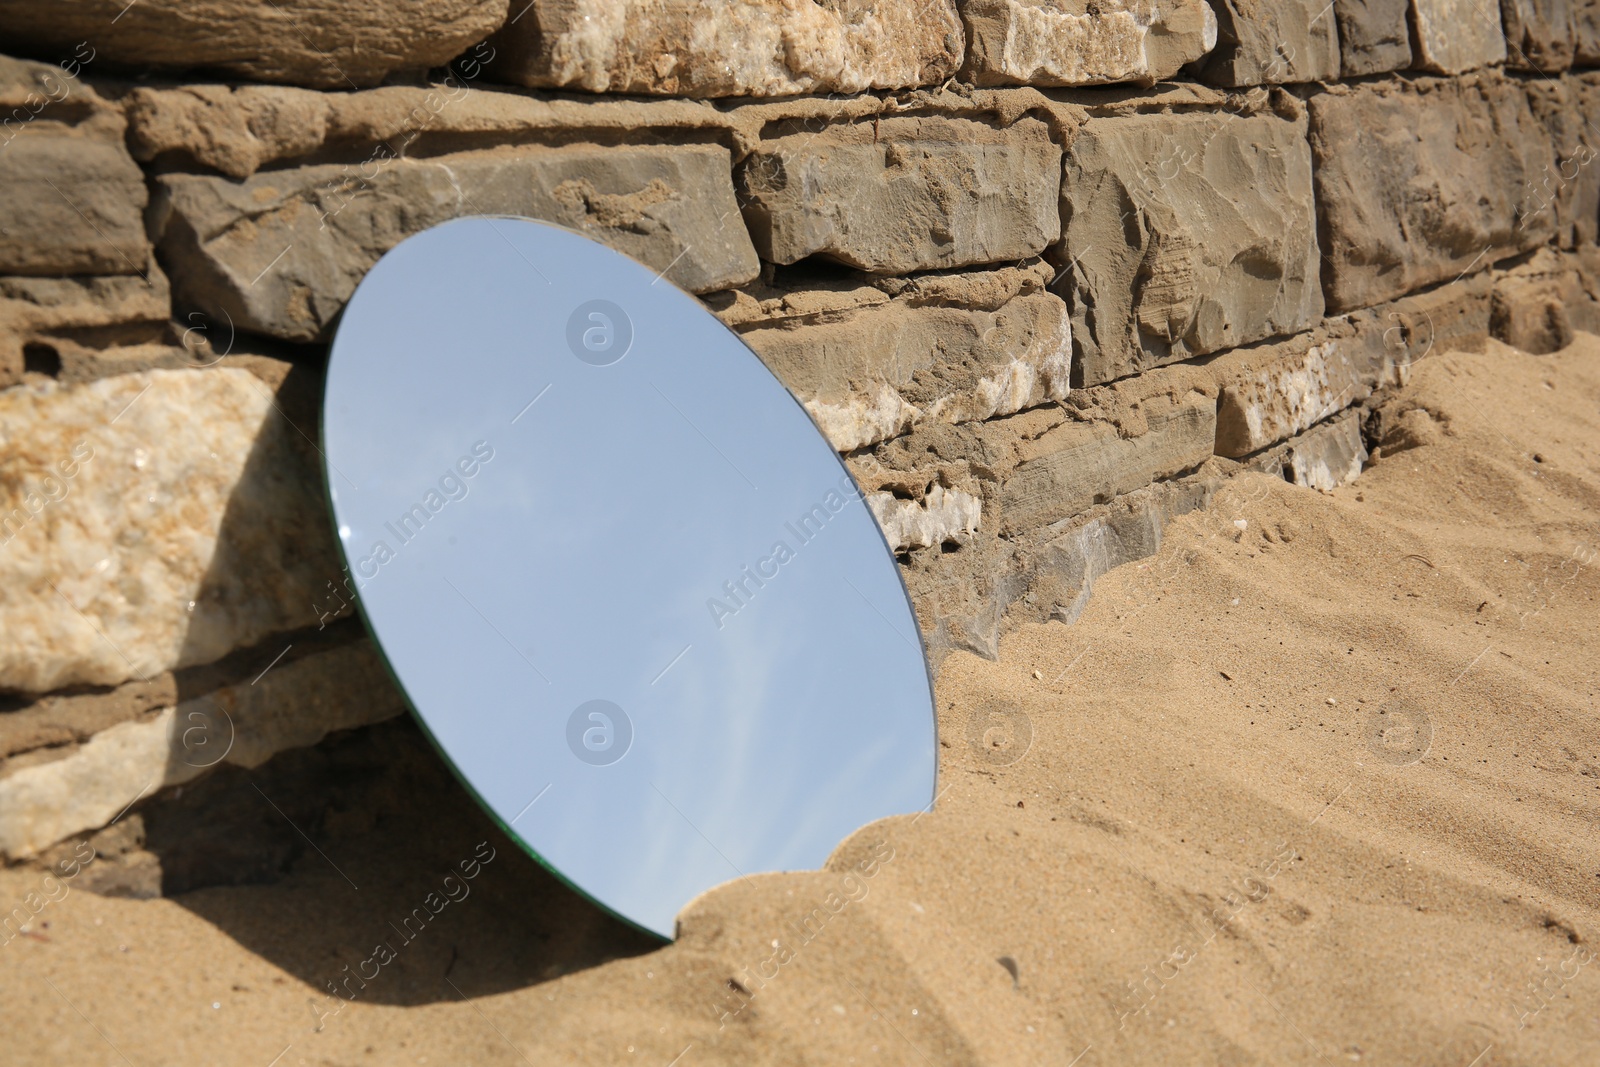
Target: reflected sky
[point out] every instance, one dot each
(529, 531)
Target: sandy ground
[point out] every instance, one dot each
(1318, 784)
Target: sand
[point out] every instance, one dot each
(1318, 784)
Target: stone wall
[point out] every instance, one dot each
(1046, 272)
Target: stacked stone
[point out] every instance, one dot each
(1046, 272)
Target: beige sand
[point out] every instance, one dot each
(1207, 853)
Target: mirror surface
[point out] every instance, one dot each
(627, 586)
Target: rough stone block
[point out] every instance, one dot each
(1450, 318)
(233, 129)
(951, 347)
(327, 44)
(1374, 36)
(239, 129)
(1186, 234)
(1569, 184)
(151, 521)
(1453, 36)
(1268, 42)
(943, 516)
(74, 199)
(281, 252)
(1327, 456)
(1420, 182)
(1537, 305)
(1269, 394)
(49, 312)
(1083, 42)
(1077, 465)
(904, 194)
(726, 48)
(1541, 35)
(1586, 33)
(293, 705)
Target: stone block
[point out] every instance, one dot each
(904, 194)
(233, 129)
(1083, 42)
(1374, 36)
(1450, 318)
(50, 312)
(1541, 35)
(1569, 184)
(1586, 33)
(1327, 456)
(326, 44)
(74, 199)
(1269, 394)
(1076, 465)
(943, 516)
(1538, 305)
(1270, 42)
(281, 252)
(1420, 182)
(1186, 234)
(724, 48)
(151, 521)
(295, 704)
(954, 348)
(1454, 36)
(239, 129)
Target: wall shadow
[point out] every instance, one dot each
(348, 845)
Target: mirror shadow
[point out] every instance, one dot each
(360, 864)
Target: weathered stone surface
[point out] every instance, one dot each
(941, 517)
(1374, 36)
(1272, 393)
(151, 521)
(966, 599)
(1531, 313)
(1082, 42)
(74, 198)
(1420, 182)
(232, 129)
(239, 129)
(1268, 42)
(1450, 318)
(50, 312)
(1586, 33)
(723, 48)
(295, 704)
(1060, 574)
(954, 348)
(1069, 469)
(1186, 234)
(281, 252)
(1328, 455)
(1540, 34)
(328, 44)
(1537, 305)
(1453, 36)
(904, 194)
(1569, 184)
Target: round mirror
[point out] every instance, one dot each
(628, 588)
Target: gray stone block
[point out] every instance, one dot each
(905, 194)
(1374, 36)
(1420, 182)
(281, 252)
(1185, 234)
(1272, 42)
